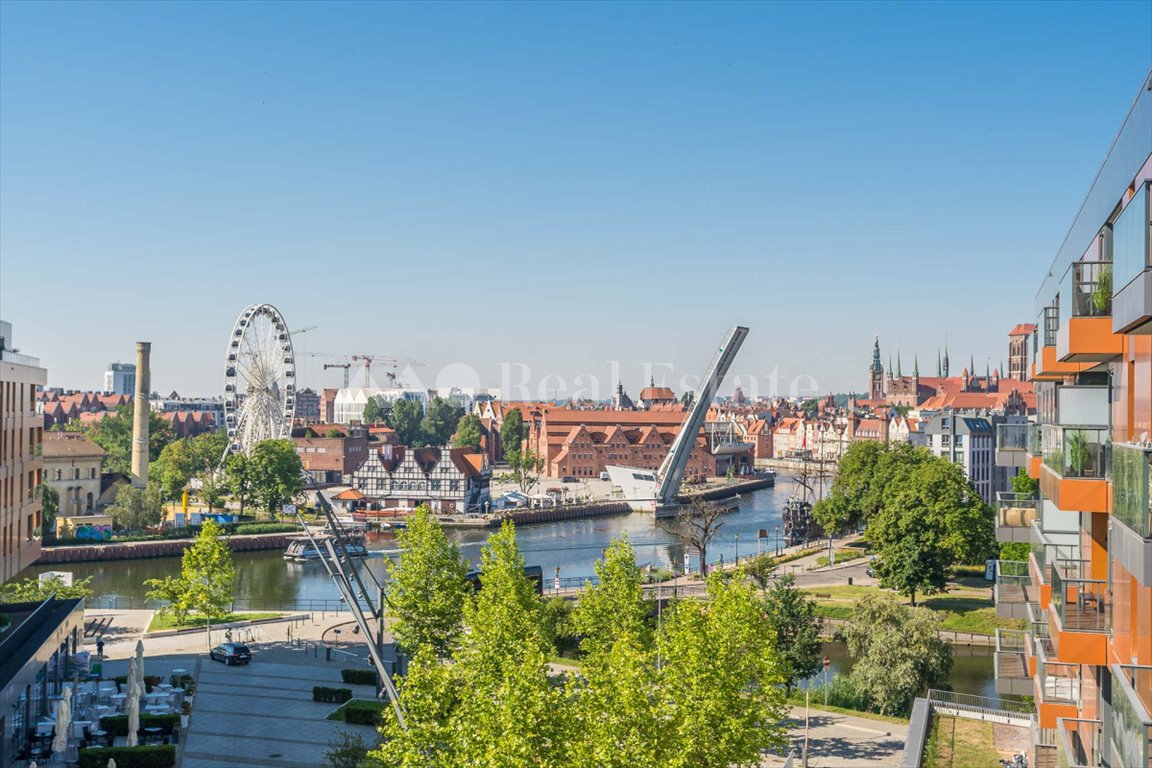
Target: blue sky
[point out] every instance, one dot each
(558, 185)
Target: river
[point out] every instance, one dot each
(264, 579)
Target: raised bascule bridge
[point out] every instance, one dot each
(657, 491)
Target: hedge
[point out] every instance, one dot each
(331, 695)
(363, 712)
(162, 756)
(118, 724)
(359, 676)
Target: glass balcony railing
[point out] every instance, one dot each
(1130, 246)
(1037, 621)
(1132, 486)
(1050, 324)
(1131, 739)
(1083, 605)
(1016, 510)
(1089, 284)
(1077, 452)
(1012, 581)
(1059, 681)
(1045, 552)
(1018, 437)
(1078, 742)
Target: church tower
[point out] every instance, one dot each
(945, 357)
(876, 373)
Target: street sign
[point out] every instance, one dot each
(762, 533)
(288, 509)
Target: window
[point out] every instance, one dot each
(76, 473)
(59, 472)
(92, 473)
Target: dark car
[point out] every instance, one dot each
(231, 653)
(568, 479)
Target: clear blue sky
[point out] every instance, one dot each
(554, 184)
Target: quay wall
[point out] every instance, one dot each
(727, 491)
(568, 513)
(133, 550)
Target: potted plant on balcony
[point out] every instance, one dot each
(1102, 292)
(1079, 453)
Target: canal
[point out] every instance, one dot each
(264, 579)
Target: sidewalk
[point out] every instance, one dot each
(843, 741)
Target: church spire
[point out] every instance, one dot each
(915, 366)
(939, 370)
(899, 373)
(945, 355)
(890, 368)
(876, 354)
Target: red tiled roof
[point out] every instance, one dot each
(1023, 329)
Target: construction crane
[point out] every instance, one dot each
(391, 362)
(303, 330)
(346, 366)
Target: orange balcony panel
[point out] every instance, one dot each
(1034, 463)
(1076, 494)
(1048, 368)
(1088, 340)
(1048, 712)
(1077, 647)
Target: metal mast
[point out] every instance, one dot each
(671, 471)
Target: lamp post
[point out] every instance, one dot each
(737, 547)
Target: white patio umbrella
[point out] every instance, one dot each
(111, 762)
(140, 665)
(131, 681)
(63, 721)
(133, 712)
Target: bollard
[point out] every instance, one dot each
(327, 653)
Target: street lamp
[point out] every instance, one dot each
(737, 547)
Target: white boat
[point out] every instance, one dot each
(302, 550)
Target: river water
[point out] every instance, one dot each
(264, 579)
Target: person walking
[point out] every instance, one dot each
(100, 647)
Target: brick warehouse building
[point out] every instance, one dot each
(1085, 589)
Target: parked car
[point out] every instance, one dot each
(605, 476)
(568, 479)
(231, 653)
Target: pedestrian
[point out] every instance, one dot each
(100, 647)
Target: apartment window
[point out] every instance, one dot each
(59, 472)
(92, 473)
(76, 473)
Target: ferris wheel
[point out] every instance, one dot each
(259, 379)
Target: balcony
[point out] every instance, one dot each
(1132, 299)
(1012, 589)
(1015, 443)
(1131, 739)
(1131, 481)
(1047, 548)
(1057, 684)
(1011, 663)
(1076, 463)
(1015, 513)
(1081, 604)
(1078, 743)
(1084, 331)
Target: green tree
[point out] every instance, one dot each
(512, 432)
(275, 473)
(688, 398)
(616, 604)
(761, 569)
(428, 588)
(720, 682)
(137, 508)
(114, 434)
(33, 590)
(1015, 551)
(1025, 485)
(49, 508)
(206, 577)
(440, 420)
(213, 488)
(469, 432)
(898, 651)
(524, 468)
(512, 715)
(181, 460)
(237, 478)
(373, 413)
(405, 418)
(869, 472)
(795, 629)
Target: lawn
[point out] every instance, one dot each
(161, 622)
(963, 609)
(958, 743)
(796, 699)
(840, 555)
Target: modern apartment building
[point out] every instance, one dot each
(1085, 589)
(21, 464)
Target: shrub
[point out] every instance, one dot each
(162, 756)
(149, 681)
(248, 529)
(117, 725)
(363, 712)
(359, 676)
(331, 695)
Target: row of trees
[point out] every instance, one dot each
(415, 425)
(702, 686)
(921, 512)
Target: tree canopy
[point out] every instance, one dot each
(795, 628)
(512, 432)
(405, 418)
(275, 474)
(898, 651)
(137, 508)
(440, 421)
(206, 577)
(186, 458)
(114, 434)
(428, 588)
(469, 432)
(31, 589)
(373, 413)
